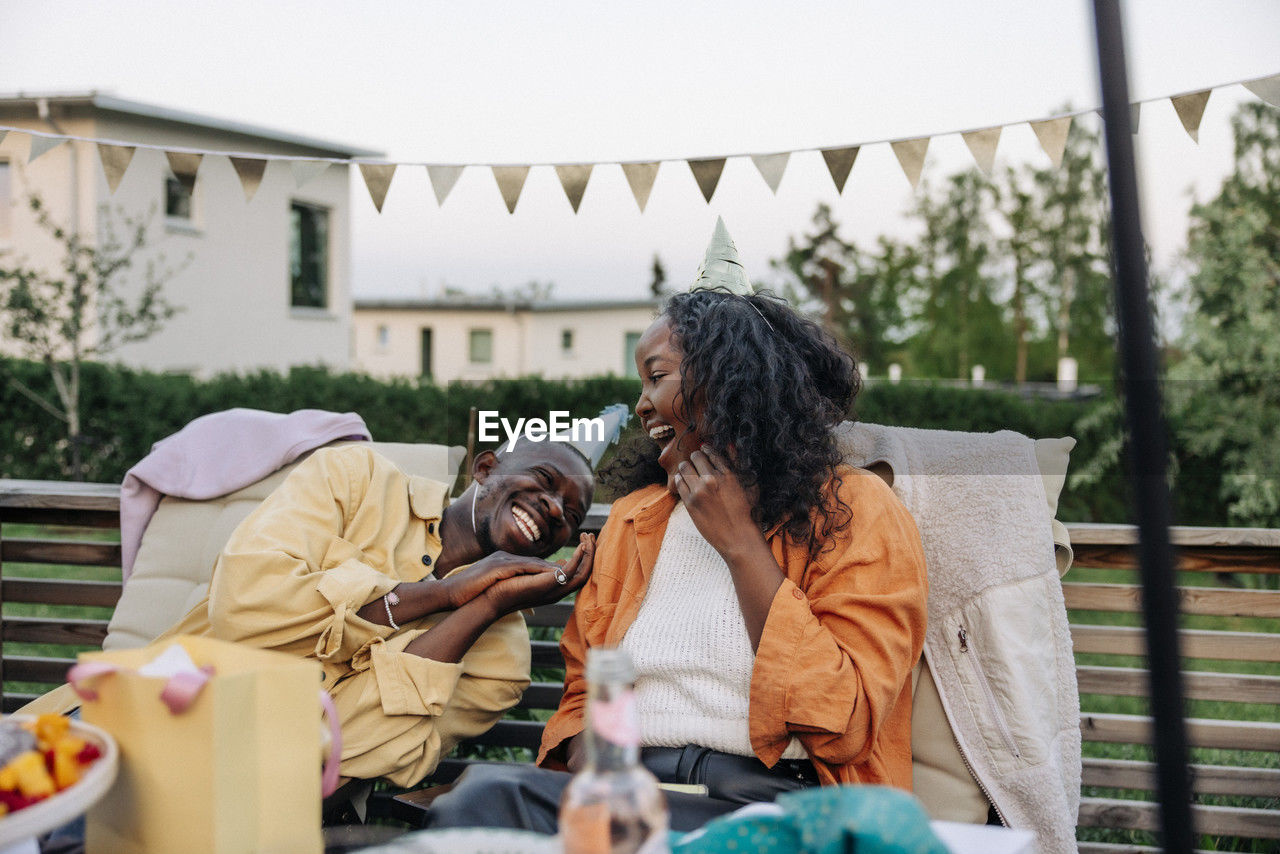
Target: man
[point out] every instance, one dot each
(410, 606)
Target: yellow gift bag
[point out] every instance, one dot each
(220, 761)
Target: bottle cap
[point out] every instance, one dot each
(609, 664)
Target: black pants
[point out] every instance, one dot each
(528, 798)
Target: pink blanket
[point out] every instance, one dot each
(220, 453)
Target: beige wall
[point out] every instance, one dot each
(525, 342)
(233, 286)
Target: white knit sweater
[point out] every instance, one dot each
(691, 651)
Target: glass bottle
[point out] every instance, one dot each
(613, 805)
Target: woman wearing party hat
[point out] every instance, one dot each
(771, 598)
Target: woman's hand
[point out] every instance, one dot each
(542, 586)
(717, 502)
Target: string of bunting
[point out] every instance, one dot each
(910, 153)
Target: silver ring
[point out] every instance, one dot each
(561, 578)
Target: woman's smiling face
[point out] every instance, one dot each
(661, 408)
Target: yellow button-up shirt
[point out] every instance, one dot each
(343, 529)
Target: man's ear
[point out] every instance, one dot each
(483, 465)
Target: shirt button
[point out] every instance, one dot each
(431, 528)
(426, 560)
(798, 593)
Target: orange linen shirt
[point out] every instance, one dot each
(834, 663)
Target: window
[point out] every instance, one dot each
(426, 353)
(308, 256)
(6, 201)
(629, 345)
(177, 200)
(384, 336)
(481, 346)
(566, 341)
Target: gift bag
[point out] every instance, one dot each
(223, 759)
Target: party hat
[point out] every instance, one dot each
(722, 268)
(593, 443)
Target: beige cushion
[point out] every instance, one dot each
(182, 541)
(940, 778)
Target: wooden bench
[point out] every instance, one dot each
(60, 578)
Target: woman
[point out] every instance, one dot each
(772, 599)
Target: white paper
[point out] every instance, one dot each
(172, 661)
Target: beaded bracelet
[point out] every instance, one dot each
(387, 601)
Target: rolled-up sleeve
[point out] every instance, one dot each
(287, 580)
(837, 649)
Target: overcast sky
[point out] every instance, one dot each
(571, 81)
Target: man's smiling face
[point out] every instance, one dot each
(531, 500)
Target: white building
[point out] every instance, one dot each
(262, 284)
(476, 339)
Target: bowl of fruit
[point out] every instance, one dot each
(52, 769)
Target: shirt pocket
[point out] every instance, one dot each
(338, 552)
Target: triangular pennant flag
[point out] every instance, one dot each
(707, 174)
(771, 167)
(377, 177)
(184, 166)
(640, 176)
(1052, 134)
(574, 179)
(442, 180)
(305, 170)
(910, 154)
(115, 160)
(1190, 110)
(42, 144)
(510, 182)
(250, 170)
(982, 145)
(3, 134)
(840, 164)
(1135, 113)
(1268, 89)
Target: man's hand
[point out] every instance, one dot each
(466, 584)
(541, 587)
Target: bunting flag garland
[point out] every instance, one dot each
(840, 164)
(1052, 134)
(250, 170)
(184, 165)
(115, 161)
(982, 145)
(1190, 109)
(442, 180)
(1267, 88)
(771, 167)
(305, 170)
(641, 177)
(510, 182)
(377, 177)
(250, 167)
(910, 154)
(707, 174)
(574, 178)
(43, 144)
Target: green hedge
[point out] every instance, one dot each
(124, 411)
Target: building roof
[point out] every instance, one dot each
(111, 104)
(482, 303)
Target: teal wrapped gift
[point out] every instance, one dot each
(825, 820)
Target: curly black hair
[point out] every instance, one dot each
(767, 385)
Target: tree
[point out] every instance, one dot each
(82, 310)
(658, 284)
(859, 294)
(1227, 396)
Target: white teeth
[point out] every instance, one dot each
(662, 431)
(526, 524)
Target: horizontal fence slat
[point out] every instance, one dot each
(59, 517)
(77, 553)
(555, 615)
(1196, 643)
(1145, 815)
(1192, 600)
(547, 654)
(61, 631)
(1133, 682)
(13, 702)
(541, 695)
(1201, 732)
(508, 733)
(1263, 560)
(1205, 779)
(57, 591)
(29, 668)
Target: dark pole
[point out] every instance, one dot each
(1147, 440)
